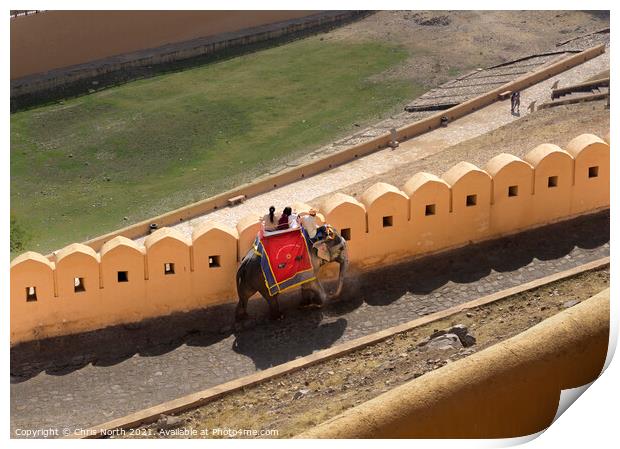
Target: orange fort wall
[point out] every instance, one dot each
(80, 289)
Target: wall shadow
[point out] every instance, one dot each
(115, 344)
(277, 342)
(59, 356)
(471, 263)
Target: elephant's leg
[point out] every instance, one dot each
(307, 295)
(274, 308)
(245, 292)
(272, 301)
(241, 312)
(319, 295)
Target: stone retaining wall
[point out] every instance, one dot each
(61, 48)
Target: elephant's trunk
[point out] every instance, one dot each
(344, 262)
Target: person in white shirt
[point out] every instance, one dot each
(308, 221)
(317, 234)
(293, 221)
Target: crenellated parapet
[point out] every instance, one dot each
(80, 289)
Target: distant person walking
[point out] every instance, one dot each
(518, 103)
(515, 102)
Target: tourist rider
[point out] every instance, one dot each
(308, 221)
(285, 219)
(270, 221)
(317, 234)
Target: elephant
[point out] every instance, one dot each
(250, 279)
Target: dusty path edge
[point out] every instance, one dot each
(197, 399)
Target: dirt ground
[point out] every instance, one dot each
(485, 37)
(603, 74)
(297, 401)
(556, 125)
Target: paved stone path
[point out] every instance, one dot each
(86, 380)
(468, 127)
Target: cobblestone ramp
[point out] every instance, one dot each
(80, 381)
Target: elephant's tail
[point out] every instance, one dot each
(242, 272)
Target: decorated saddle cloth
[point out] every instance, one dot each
(285, 259)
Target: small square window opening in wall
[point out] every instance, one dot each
(387, 221)
(513, 190)
(593, 172)
(553, 181)
(168, 268)
(214, 261)
(78, 285)
(430, 209)
(471, 200)
(123, 276)
(346, 233)
(31, 294)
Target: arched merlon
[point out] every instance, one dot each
(542, 152)
(429, 212)
(216, 230)
(470, 201)
(123, 277)
(465, 179)
(553, 182)
(163, 234)
(426, 189)
(387, 214)
(29, 271)
(33, 300)
(31, 257)
(513, 387)
(383, 199)
(511, 193)
(120, 243)
(215, 262)
(591, 177)
(247, 228)
(585, 142)
(77, 273)
(75, 249)
(506, 163)
(168, 269)
(119, 251)
(339, 200)
(348, 216)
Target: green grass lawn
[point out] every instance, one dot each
(141, 149)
